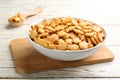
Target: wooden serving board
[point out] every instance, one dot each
(28, 60)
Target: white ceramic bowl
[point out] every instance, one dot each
(64, 55)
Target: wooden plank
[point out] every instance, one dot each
(64, 73)
(92, 9)
(112, 35)
(109, 69)
(6, 63)
(31, 61)
(68, 79)
(5, 53)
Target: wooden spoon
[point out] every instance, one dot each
(27, 15)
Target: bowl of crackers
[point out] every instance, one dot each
(66, 38)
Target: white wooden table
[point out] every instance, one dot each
(103, 12)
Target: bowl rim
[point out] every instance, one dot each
(66, 51)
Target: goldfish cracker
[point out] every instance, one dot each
(71, 28)
(53, 37)
(66, 33)
(89, 34)
(78, 31)
(33, 34)
(61, 33)
(83, 45)
(73, 47)
(62, 45)
(46, 22)
(43, 34)
(41, 42)
(76, 40)
(72, 35)
(41, 30)
(17, 18)
(68, 41)
(93, 40)
(90, 44)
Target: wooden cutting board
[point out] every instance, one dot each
(28, 60)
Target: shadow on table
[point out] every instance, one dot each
(60, 73)
(10, 27)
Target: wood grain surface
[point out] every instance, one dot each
(103, 12)
(28, 60)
